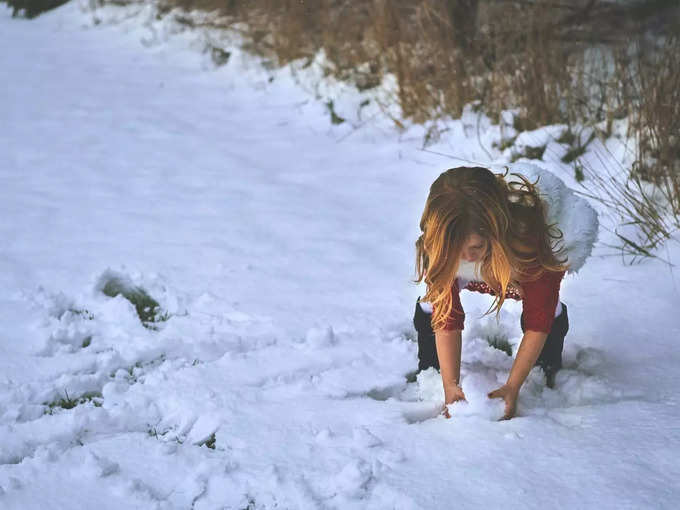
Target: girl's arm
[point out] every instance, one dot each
(527, 354)
(448, 343)
(539, 301)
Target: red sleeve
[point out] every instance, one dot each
(540, 301)
(456, 318)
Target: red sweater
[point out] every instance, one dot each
(539, 302)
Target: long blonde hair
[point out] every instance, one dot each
(510, 216)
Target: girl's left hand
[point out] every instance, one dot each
(509, 395)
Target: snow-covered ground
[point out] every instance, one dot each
(280, 246)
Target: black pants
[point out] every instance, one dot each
(550, 358)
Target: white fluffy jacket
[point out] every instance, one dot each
(574, 216)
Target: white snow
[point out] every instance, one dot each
(281, 249)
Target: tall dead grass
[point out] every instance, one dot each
(649, 88)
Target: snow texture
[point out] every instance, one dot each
(272, 369)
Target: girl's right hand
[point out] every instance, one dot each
(452, 393)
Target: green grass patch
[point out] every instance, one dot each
(210, 442)
(535, 152)
(506, 143)
(573, 154)
(529, 153)
(82, 313)
(250, 504)
(412, 376)
(153, 432)
(67, 402)
(335, 118)
(139, 368)
(501, 343)
(219, 56)
(148, 309)
(578, 172)
(567, 137)
(578, 150)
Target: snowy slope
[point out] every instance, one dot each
(281, 249)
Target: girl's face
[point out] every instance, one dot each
(474, 249)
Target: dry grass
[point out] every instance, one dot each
(650, 198)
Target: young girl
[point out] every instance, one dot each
(486, 233)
